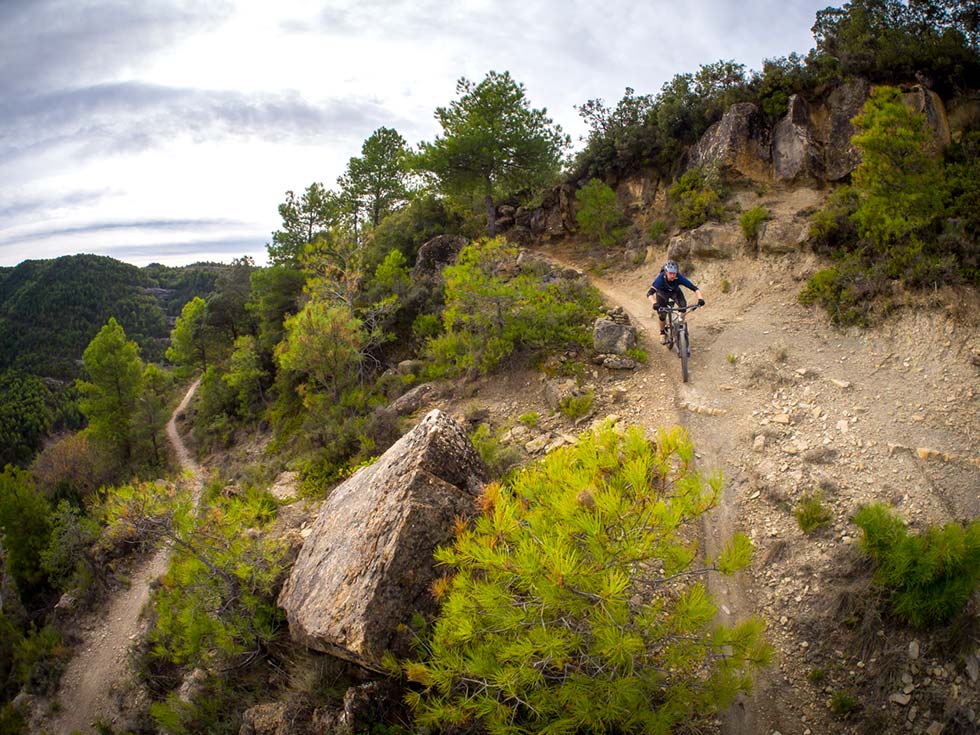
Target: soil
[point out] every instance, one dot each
(97, 686)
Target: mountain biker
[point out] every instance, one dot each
(667, 286)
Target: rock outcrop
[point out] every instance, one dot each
(738, 144)
(436, 254)
(796, 154)
(367, 565)
(613, 334)
(839, 156)
(707, 241)
(927, 103)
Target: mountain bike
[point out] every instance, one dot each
(678, 338)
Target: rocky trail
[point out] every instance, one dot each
(787, 406)
(98, 680)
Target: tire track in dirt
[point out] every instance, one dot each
(96, 677)
(666, 403)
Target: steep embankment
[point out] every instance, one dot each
(98, 678)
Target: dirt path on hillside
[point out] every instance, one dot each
(785, 405)
(97, 678)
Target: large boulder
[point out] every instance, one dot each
(707, 241)
(367, 566)
(613, 337)
(436, 254)
(738, 144)
(836, 130)
(777, 237)
(796, 155)
(927, 103)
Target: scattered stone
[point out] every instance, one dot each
(609, 336)
(914, 649)
(842, 426)
(619, 362)
(285, 486)
(759, 444)
(900, 698)
(842, 384)
(781, 418)
(935, 728)
(536, 445)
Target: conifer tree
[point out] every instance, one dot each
(577, 601)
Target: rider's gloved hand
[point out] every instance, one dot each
(700, 302)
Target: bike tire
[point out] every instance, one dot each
(682, 352)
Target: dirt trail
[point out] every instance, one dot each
(97, 676)
(785, 405)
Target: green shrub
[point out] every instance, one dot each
(930, 577)
(637, 354)
(751, 222)
(530, 418)
(492, 312)
(541, 629)
(695, 199)
(843, 703)
(599, 214)
(658, 230)
(816, 676)
(498, 456)
(577, 406)
(811, 513)
(847, 291)
(726, 286)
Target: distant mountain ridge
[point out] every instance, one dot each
(51, 309)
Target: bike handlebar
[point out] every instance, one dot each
(678, 309)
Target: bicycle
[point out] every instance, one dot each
(678, 339)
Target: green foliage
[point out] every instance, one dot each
(493, 144)
(843, 703)
(889, 41)
(574, 604)
(577, 406)
(408, 228)
(275, 292)
(109, 398)
(599, 215)
(73, 468)
(25, 527)
(530, 419)
(751, 222)
(811, 513)
(246, 376)
(51, 309)
(216, 404)
(304, 218)
(492, 311)
(658, 230)
(847, 291)
(694, 199)
(930, 576)
(379, 176)
(67, 560)
(191, 337)
(25, 416)
(498, 456)
(637, 354)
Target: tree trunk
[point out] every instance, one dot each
(491, 217)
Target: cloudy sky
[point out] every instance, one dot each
(170, 130)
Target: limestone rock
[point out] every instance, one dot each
(843, 104)
(285, 486)
(436, 254)
(619, 362)
(363, 706)
(796, 153)
(777, 237)
(609, 336)
(737, 144)
(367, 566)
(277, 718)
(927, 103)
(707, 241)
(414, 399)
(409, 367)
(558, 391)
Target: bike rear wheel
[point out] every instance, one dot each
(682, 351)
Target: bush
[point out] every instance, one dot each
(930, 576)
(811, 513)
(575, 604)
(751, 222)
(530, 418)
(843, 703)
(492, 312)
(498, 456)
(599, 215)
(658, 230)
(577, 406)
(847, 291)
(695, 199)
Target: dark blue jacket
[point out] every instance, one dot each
(671, 288)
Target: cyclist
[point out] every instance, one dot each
(667, 285)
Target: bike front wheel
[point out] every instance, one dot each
(682, 351)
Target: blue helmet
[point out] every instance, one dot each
(671, 266)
